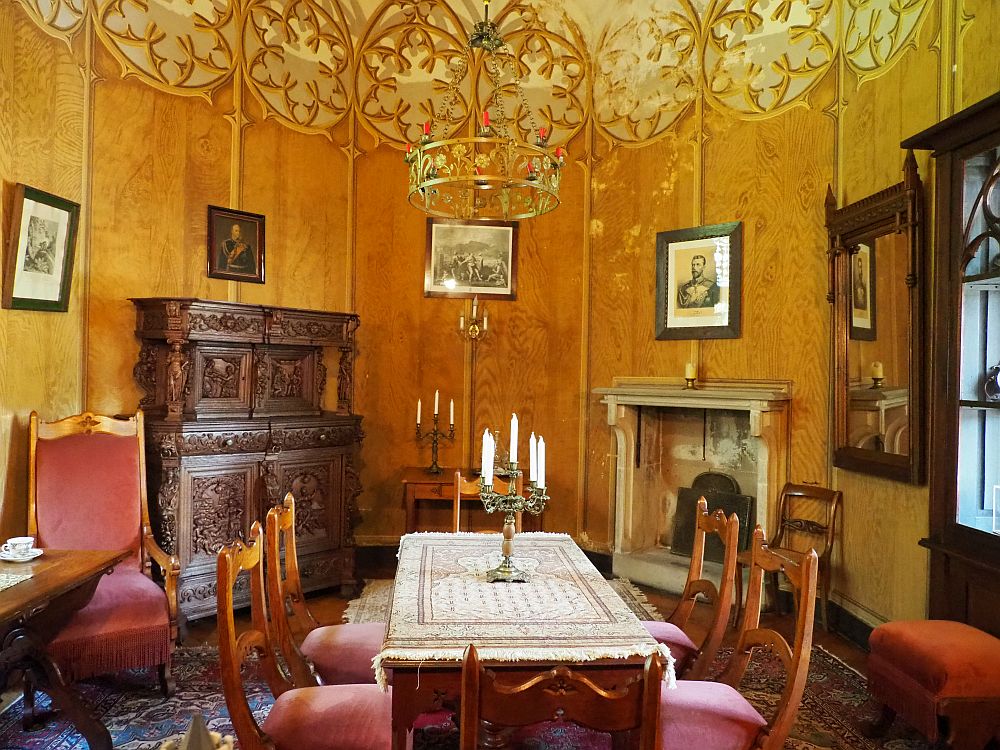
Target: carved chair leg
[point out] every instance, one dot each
(167, 685)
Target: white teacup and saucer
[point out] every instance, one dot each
(19, 549)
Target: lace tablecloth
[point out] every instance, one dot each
(12, 579)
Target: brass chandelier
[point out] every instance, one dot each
(494, 175)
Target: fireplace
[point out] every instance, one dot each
(665, 436)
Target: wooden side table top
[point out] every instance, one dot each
(420, 475)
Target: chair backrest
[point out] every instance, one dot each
(801, 574)
(728, 530)
(235, 649)
(87, 483)
(559, 694)
(468, 489)
(806, 514)
(290, 616)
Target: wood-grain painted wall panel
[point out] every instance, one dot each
(42, 128)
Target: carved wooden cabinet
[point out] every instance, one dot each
(233, 398)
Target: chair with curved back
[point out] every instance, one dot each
(559, 694)
(468, 489)
(87, 490)
(715, 715)
(805, 512)
(340, 654)
(691, 660)
(329, 717)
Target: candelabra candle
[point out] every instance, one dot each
(510, 504)
(435, 436)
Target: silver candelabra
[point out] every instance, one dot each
(511, 503)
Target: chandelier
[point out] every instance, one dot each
(494, 175)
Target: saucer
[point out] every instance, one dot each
(6, 556)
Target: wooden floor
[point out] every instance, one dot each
(328, 608)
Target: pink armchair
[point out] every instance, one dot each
(87, 490)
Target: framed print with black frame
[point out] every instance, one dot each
(699, 274)
(863, 292)
(38, 271)
(235, 245)
(468, 258)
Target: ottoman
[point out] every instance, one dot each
(941, 676)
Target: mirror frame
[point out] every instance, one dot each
(895, 210)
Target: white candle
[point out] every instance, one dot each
(475, 306)
(689, 371)
(486, 319)
(483, 458)
(489, 448)
(461, 323)
(541, 462)
(532, 458)
(435, 403)
(513, 438)
(877, 371)
(418, 411)
(451, 412)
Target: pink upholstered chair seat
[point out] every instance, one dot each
(354, 717)
(342, 654)
(707, 715)
(682, 648)
(126, 625)
(915, 664)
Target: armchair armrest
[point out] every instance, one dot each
(171, 568)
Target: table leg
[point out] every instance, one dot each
(26, 654)
(399, 733)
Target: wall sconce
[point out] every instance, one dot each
(475, 327)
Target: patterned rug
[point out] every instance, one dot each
(834, 707)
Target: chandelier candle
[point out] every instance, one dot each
(435, 435)
(514, 501)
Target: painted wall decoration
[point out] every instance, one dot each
(633, 68)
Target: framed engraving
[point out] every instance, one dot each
(466, 259)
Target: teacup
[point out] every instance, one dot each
(18, 546)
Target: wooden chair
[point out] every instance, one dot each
(331, 717)
(87, 490)
(468, 489)
(340, 654)
(559, 694)
(692, 661)
(804, 512)
(714, 714)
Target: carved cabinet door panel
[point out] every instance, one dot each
(219, 500)
(316, 478)
(220, 385)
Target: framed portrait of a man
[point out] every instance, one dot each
(235, 245)
(471, 258)
(863, 293)
(699, 282)
(38, 271)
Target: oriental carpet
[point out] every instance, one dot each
(834, 707)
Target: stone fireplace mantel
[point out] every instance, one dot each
(637, 487)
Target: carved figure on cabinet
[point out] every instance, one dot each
(219, 380)
(344, 379)
(700, 290)
(177, 372)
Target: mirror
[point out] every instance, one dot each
(876, 287)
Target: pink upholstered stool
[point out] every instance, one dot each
(941, 676)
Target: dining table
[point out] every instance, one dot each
(38, 599)
(566, 613)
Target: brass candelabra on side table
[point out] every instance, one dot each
(435, 436)
(511, 504)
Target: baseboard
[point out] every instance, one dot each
(842, 622)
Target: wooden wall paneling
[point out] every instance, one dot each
(978, 72)
(299, 182)
(773, 175)
(42, 130)
(154, 174)
(877, 115)
(637, 192)
(531, 360)
(408, 344)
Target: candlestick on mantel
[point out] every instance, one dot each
(878, 374)
(690, 375)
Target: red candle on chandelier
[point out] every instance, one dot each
(486, 118)
(427, 127)
(541, 133)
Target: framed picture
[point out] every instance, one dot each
(699, 275)
(38, 271)
(235, 245)
(863, 293)
(471, 258)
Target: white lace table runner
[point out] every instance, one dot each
(567, 611)
(12, 579)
